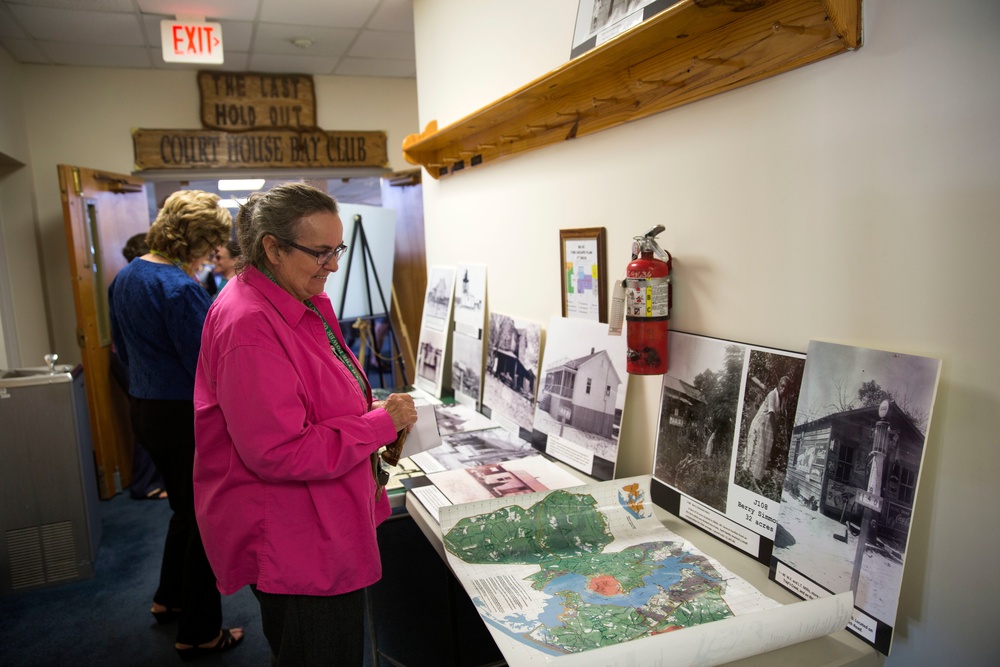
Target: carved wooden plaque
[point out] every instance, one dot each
(210, 149)
(255, 101)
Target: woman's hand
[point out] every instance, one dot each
(400, 407)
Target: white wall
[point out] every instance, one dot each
(84, 116)
(21, 287)
(855, 200)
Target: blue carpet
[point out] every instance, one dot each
(421, 619)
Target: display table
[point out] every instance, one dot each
(841, 649)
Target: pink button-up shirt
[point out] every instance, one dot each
(283, 483)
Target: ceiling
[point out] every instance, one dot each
(345, 37)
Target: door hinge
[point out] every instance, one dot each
(77, 182)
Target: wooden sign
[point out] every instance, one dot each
(251, 101)
(210, 149)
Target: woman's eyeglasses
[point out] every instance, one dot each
(322, 256)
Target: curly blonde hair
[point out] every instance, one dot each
(191, 225)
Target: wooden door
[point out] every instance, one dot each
(409, 277)
(101, 210)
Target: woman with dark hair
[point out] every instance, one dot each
(287, 475)
(157, 312)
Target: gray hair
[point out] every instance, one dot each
(278, 213)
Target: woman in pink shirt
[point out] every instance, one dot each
(285, 475)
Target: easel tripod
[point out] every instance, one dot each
(366, 257)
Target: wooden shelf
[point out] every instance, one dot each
(689, 51)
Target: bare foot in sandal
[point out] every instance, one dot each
(228, 638)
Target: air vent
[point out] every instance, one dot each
(42, 554)
(25, 550)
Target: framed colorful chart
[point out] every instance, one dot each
(582, 268)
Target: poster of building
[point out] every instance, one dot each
(726, 415)
(853, 472)
(468, 339)
(597, 21)
(512, 357)
(578, 413)
(434, 325)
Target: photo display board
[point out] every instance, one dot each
(726, 416)
(581, 396)
(853, 472)
(511, 378)
(434, 325)
(468, 339)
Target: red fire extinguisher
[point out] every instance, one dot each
(648, 297)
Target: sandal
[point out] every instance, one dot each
(225, 642)
(166, 616)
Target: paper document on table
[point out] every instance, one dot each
(589, 571)
(424, 435)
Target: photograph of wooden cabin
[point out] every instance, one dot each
(828, 465)
(698, 415)
(853, 470)
(513, 353)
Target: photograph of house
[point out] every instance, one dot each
(467, 369)
(437, 302)
(512, 356)
(581, 397)
(470, 300)
(853, 471)
(473, 448)
(699, 401)
(430, 361)
(582, 392)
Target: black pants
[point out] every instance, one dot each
(313, 630)
(166, 429)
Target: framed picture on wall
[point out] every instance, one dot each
(582, 267)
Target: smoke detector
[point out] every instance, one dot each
(302, 42)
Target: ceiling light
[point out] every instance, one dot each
(241, 184)
(302, 42)
(236, 202)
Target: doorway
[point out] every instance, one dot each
(409, 277)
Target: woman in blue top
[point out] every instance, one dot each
(157, 312)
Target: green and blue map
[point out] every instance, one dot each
(568, 572)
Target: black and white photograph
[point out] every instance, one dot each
(437, 301)
(597, 21)
(467, 369)
(853, 470)
(699, 403)
(459, 418)
(506, 478)
(510, 382)
(578, 413)
(470, 300)
(473, 448)
(430, 361)
(770, 396)
(727, 410)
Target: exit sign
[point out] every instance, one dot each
(191, 42)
